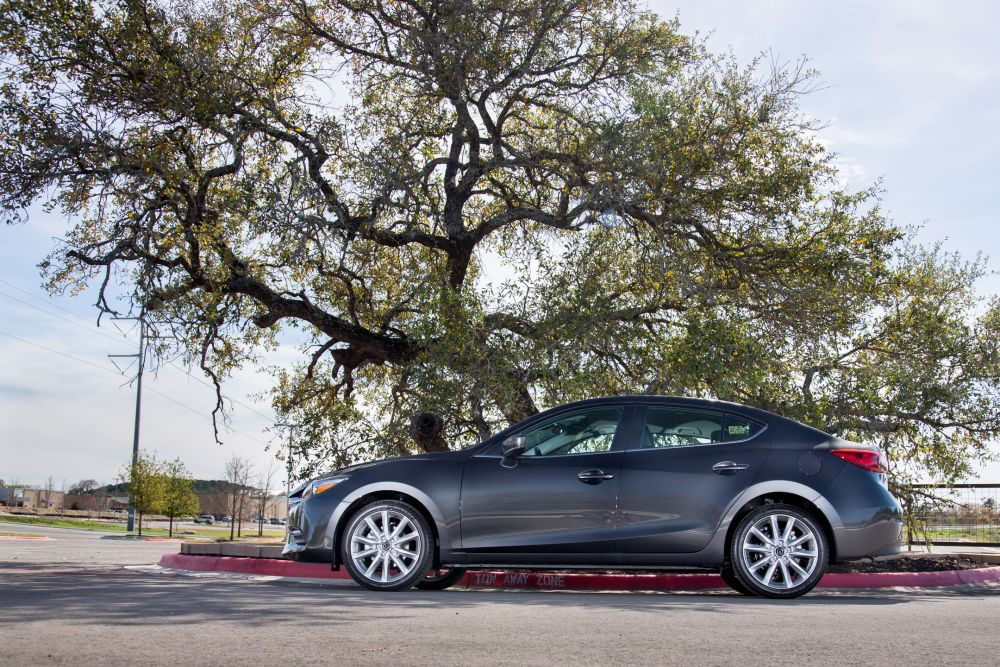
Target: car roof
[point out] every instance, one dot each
(769, 418)
(651, 399)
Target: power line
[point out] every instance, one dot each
(105, 368)
(117, 340)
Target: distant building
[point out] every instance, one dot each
(32, 498)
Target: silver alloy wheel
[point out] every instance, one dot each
(780, 551)
(385, 545)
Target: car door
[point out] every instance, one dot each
(681, 471)
(555, 502)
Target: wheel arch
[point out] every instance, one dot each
(803, 498)
(368, 495)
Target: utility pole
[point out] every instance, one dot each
(141, 357)
(288, 464)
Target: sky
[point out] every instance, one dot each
(910, 95)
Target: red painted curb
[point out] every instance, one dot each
(23, 537)
(262, 566)
(606, 582)
(598, 582)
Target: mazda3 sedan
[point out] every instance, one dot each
(640, 482)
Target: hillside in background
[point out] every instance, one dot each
(200, 486)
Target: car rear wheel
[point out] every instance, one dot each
(779, 551)
(438, 580)
(388, 546)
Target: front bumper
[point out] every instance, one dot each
(311, 528)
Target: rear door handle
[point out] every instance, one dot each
(594, 476)
(723, 467)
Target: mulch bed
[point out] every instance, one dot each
(908, 564)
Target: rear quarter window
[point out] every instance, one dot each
(739, 428)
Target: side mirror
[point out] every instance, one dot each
(513, 446)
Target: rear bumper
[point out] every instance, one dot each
(878, 539)
(870, 520)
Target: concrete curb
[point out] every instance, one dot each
(602, 582)
(23, 537)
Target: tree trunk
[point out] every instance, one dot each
(519, 407)
(425, 429)
(140, 523)
(170, 531)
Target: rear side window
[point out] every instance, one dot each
(673, 427)
(738, 428)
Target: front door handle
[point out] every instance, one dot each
(725, 467)
(594, 476)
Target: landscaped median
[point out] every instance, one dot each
(266, 560)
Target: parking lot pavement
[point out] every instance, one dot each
(77, 548)
(83, 618)
(72, 613)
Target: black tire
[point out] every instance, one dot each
(438, 580)
(776, 559)
(729, 577)
(423, 544)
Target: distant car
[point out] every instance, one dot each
(227, 519)
(645, 482)
(275, 522)
(205, 518)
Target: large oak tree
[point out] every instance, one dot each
(468, 210)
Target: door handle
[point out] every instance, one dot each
(594, 476)
(723, 467)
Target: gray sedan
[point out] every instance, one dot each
(628, 482)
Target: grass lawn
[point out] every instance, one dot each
(984, 535)
(85, 524)
(2, 534)
(59, 522)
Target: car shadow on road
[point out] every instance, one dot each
(144, 599)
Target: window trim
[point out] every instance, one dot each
(641, 421)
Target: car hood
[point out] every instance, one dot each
(434, 456)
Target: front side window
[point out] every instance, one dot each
(674, 427)
(583, 432)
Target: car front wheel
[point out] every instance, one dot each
(779, 551)
(388, 546)
(438, 580)
(729, 577)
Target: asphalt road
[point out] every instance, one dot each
(88, 609)
(81, 548)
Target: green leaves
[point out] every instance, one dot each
(413, 193)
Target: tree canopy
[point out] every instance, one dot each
(178, 494)
(145, 484)
(469, 210)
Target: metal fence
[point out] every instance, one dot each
(954, 515)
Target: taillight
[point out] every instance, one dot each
(868, 459)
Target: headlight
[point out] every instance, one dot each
(320, 485)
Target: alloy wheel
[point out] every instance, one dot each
(385, 546)
(780, 551)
